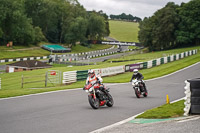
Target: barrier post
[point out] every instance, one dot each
(0, 83)
(167, 99)
(22, 81)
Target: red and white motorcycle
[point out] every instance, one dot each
(98, 95)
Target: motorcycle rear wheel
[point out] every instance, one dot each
(94, 103)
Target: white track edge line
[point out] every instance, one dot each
(124, 121)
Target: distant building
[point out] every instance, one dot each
(28, 65)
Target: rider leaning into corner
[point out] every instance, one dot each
(93, 78)
(137, 75)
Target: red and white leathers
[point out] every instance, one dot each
(94, 79)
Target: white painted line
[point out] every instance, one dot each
(196, 118)
(123, 121)
(40, 94)
(177, 100)
(115, 124)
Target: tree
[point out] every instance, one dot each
(96, 26)
(125, 17)
(158, 31)
(189, 28)
(107, 33)
(14, 24)
(77, 31)
(145, 33)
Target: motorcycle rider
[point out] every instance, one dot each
(137, 75)
(93, 78)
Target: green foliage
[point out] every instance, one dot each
(172, 26)
(14, 24)
(157, 32)
(57, 21)
(125, 17)
(97, 26)
(189, 27)
(77, 30)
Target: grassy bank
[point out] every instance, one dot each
(11, 82)
(124, 31)
(165, 111)
(31, 51)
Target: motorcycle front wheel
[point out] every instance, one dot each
(145, 94)
(93, 102)
(137, 93)
(110, 100)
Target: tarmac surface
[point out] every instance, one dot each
(188, 124)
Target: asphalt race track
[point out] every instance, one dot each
(70, 112)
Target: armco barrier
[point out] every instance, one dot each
(192, 99)
(154, 62)
(131, 67)
(162, 61)
(144, 65)
(159, 61)
(24, 59)
(112, 70)
(82, 75)
(69, 77)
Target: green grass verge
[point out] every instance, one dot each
(11, 82)
(165, 111)
(124, 31)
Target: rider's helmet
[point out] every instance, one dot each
(135, 71)
(91, 73)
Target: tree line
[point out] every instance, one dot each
(172, 26)
(57, 21)
(125, 17)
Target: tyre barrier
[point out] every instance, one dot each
(192, 99)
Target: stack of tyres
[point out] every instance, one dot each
(195, 96)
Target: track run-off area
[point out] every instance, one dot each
(68, 111)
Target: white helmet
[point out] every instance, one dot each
(91, 73)
(135, 71)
